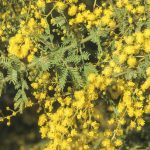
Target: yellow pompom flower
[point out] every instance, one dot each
(139, 37)
(107, 71)
(72, 10)
(98, 11)
(91, 17)
(132, 61)
(119, 4)
(42, 119)
(60, 6)
(117, 69)
(35, 85)
(122, 58)
(129, 7)
(30, 57)
(82, 7)
(79, 95)
(129, 50)
(79, 18)
(130, 20)
(44, 23)
(106, 143)
(129, 39)
(41, 3)
(140, 121)
(147, 33)
(132, 124)
(140, 9)
(91, 77)
(118, 143)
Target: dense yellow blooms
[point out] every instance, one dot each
(113, 98)
(72, 10)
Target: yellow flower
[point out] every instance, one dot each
(79, 95)
(132, 124)
(72, 10)
(132, 61)
(30, 57)
(118, 45)
(71, 21)
(131, 84)
(68, 112)
(112, 63)
(91, 134)
(73, 132)
(37, 15)
(35, 85)
(91, 17)
(138, 113)
(107, 71)
(60, 6)
(140, 121)
(129, 7)
(44, 131)
(42, 96)
(112, 24)
(40, 3)
(19, 38)
(95, 125)
(129, 50)
(42, 120)
(147, 33)
(130, 20)
(111, 121)
(119, 132)
(86, 147)
(98, 11)
(117, 69)
(122, 121)
(31, 23)
(119, 4)
(105, 20)
(108, 133)
(140, 9)
(82, 7)
(139, 128)
(44, 23)
(23, 51)
(106, 143)
(122, 58)
(130, 112)
(118, 143)
(139, 37)
(91, 77)
(79, 18)
(129, 39)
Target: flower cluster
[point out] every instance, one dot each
(103, 46)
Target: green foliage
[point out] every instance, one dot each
(15, 74)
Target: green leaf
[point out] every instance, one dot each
(63, 78)
(76, 77)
